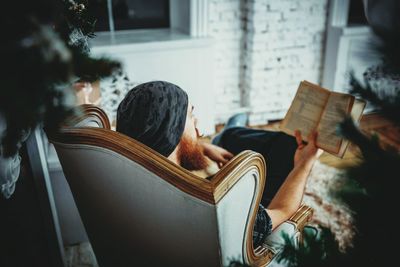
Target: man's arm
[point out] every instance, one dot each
(289, 196)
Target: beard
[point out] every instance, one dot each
(191, 154)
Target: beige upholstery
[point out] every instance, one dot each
(139, 208)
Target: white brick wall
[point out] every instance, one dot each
(226, 26)
(264, 48)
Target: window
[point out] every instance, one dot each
(356, 13)
(130, 14)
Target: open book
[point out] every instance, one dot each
(316, 108)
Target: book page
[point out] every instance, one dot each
(338, 107)
(357, 109)
(356, 113)
(305, 110)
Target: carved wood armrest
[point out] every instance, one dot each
(301, 217)
(292, 227)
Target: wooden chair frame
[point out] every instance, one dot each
(210, 191)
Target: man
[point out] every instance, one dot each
(159, 115)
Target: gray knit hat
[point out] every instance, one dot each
(154, 113)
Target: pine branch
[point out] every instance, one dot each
(237, 263)
(91, 69)
(369, 147)
(78, 17)
(315, 250)
(35, 63)
(388, 104)
(388, 48)
(376, 161)
(45, 49)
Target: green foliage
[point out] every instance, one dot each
(374, 200)
(389, 49)
(237, 263)
(387, 103)
(77, 16)
(314, 250)
(371, 193)
(371, 189)
(44, 51)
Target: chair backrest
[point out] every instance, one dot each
(139, 208)
(91, 116)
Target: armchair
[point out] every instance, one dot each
(140, 209)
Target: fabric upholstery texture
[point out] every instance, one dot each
(233, 213)
(123, 203)
(153, 215)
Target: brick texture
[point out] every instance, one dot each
(264, 48)
(226, 25)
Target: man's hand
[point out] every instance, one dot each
(216, 153)
(306, 154)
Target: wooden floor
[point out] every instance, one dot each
(370, 124)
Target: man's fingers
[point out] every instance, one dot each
(228, 155)
(223, 160)
(299, 140)
(312, 137)
(225, 153)
(225, 157)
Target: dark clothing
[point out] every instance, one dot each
(262, 227)
(278, 150)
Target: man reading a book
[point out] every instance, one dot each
(159, 115)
